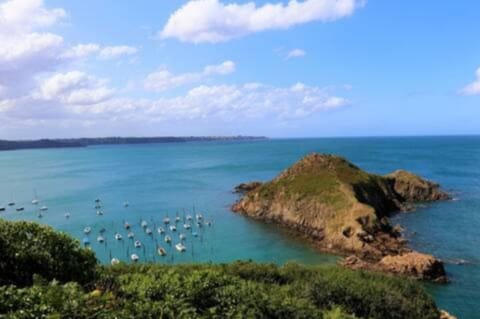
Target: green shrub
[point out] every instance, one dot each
(27, 249)
(38, 262)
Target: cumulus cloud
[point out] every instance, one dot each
(26, 15)
(474, 87)
(163, 79)
(225, 102)
(28, 51)
(295, 53)
(213, 21)
(74, 88)
(116, 51)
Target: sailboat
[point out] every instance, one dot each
(180, 247)
(101, 239)
(148, 231)
(168, 239)
(67, 215)
(44, 208)
(161, 231)
(161, 251)
(130, 235)
(2, 209)
(137, 244)
(87, 230)
(173, 228)
(20, 209)
(134, 258)
(144, 224)
(114, 261)
(118, 236)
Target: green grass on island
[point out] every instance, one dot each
(47, 274)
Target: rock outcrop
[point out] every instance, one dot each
(345, 210)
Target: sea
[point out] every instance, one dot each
(196, 179)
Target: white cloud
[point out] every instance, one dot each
(474, 87)
(295, 53)
(81, 51)
(26, 15)
(163, 79)
(116, 51)
(74, 88)
(213, 21)
(223, 102)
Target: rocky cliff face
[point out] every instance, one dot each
(342, 208)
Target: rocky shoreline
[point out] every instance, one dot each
(345, 210)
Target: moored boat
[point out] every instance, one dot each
(162, 251)
(180, 247)
(134, 257)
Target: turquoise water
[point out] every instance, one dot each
(166, 178)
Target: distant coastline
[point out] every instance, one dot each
(9, 145)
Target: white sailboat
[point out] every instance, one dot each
(180, 247)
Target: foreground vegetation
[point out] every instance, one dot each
(46, 274)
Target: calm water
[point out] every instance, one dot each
(166, 178)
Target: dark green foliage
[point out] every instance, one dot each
(235, 290)
(29, 248)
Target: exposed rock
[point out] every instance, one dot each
(246, 187)
(342, 208)
(413, 188)
(446, 315)
(414, 264)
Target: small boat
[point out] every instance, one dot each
(180, 247)
(127, 225)
(182, 236)
(187, 226)
(98, 206)
(199, 217)
(126, 204)
(166, 220)
(162, 251)
(86, 241)
(173, 228)
(209, 223)
(40, 215)
(195, 234)
(177, 219)
(99, 213)
(134, 257)
(161, 231)
(168, 239)
(35, 202)
(97, 200)
(87, 230)
(144, 224)
(114, 261)
(44, 208)
(189, 217)
(11, 204)
(130, 235)
(102, 230)
(199, 224)
(137, 244)
(20, 209)
(118, 236)
(101, 239)
(67, 215)
(2, 209)
(148, 231)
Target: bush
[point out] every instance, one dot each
(37, 264)
(27, 249)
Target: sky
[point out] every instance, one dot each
(300, 68)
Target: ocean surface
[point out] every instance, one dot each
(198, 177)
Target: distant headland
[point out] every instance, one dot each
(6, 145)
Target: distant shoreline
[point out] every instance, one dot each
(10, 145)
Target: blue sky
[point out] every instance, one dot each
(308, 68)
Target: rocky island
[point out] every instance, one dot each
(346, 210)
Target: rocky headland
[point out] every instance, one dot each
(345, 210)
